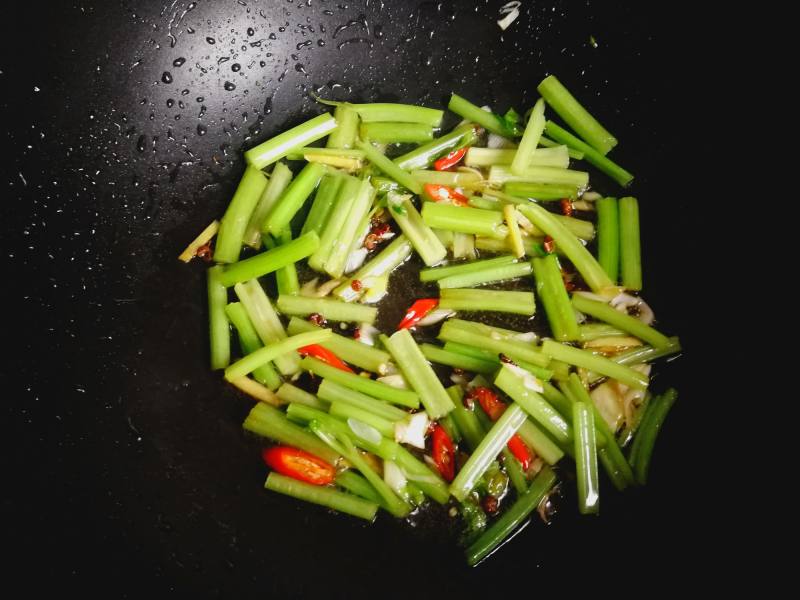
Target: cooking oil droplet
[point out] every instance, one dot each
(201, 129)
(300, 69)
(170, 103)
(320, 43)
(229, 86)
(378, 30)
(211, 40)
(251, 31)
(141, 143)
(262, 64)
(272, 36)
(303, 44)
(178, 62)
(236, 67)
(184, 92)
(166, 77)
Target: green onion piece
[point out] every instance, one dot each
(345, 411)
(465, 419)
(502, 528)
(494, 339)
(501, 174)
(548, 143)
(630, 245)
(558, 156)
(464, 219)
(292, 200)
(335, 393)
(266, 322)
(324, 496)
(384, 184)
(344, 136)
(419, 374)
(272, 260)
(399, 113)
(389, 168)
(594, 331)
(530, 139)
(608, 236)
(335, 310)
(492, 275)
(464, 268)
(532, 245)
(359, 209)
(550, 289)
(515, 472)
(540, 442)
(598, 364)
(586, 459)
(276, 148)
(424, 240)
(269, 422)
(278, 181)
(523, 393)
(520, 303)
(324, 200)
(458, 361)
(356, 484)
(570, 245)
(293, 394)
(376, 389)
(425, 155)
(234, 222)
(488, 120)
(345, 198)
(488, 356)
(576, 116)
(604, 312)
(542, 192)
(382, 264)
(606, 165)
(643, 443)
(249, 341)
(388, 132)
(486, 452)
(219, 330)
(286, 277)
(263, 355)
(349, 350)
(464, 179)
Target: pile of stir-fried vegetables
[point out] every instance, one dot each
(360, 421)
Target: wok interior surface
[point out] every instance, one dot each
(125, 123)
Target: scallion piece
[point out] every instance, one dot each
(645, 439)
(548, 143)
(234, 222)
(289, 394)
(293, 198)
(376, 389)
(356, 484)
(333, 392)
(495, 274)
(382, 264)
(344, 411)
(335, 310)
(458, 361)
(463, 179)
(502, 174)
(421, 236)
(520, 303)
(465, 419)
(324, 496)
(464, 268)
(494, 339)
(608, 236)
(270, 261)
(322, 206)
(424, 156)
(553, 294)
(515, 472)
(488, 120)
(606, 165)
(540, 191)
(389, 168)
(286, 277)
(399, 113)
(586, 459)
(419, 374)
(570, 245)
(503, 527)
(269, 352)
(576, 116)
(603, 312)
(388, 132)
(630, 244)
(276, 148)
(349, 350)
(464, 219)
(557, 156)
(598, 364)
(359, 209)
(249, 342)
(279, 179)
(219, 329)
(489, 356)
(486, 452)
(530, 139)
(540, 442)
(344, 136)
(269, 422)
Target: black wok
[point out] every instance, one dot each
(127, 467)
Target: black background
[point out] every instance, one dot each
(124, 466)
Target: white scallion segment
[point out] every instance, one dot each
(491, 445)
(201, 240)
(365, 432)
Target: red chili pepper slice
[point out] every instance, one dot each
(324, 355)
(490, 403)
(441, 193)
(450, 160)
(418, 310)
(566, 207)
(444, 453)
(299, 465)
(549, 245)
(520, 451)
